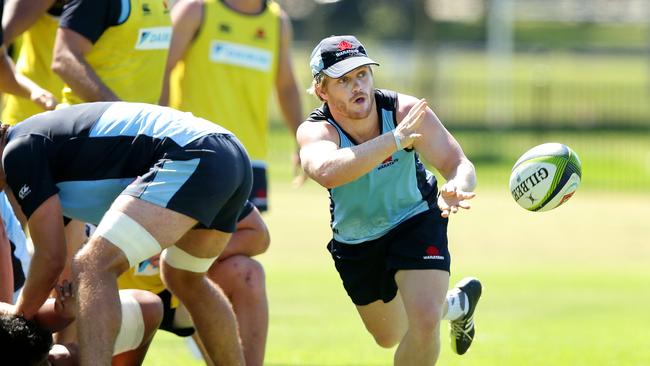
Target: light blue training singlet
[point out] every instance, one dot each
(394, 191)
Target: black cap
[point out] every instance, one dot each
(337, 55)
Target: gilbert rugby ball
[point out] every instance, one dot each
(545, 177)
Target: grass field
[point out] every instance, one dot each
(566, 287)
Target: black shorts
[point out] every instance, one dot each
(208, 179)
(260, 187)
(368, 269)
(168, 316)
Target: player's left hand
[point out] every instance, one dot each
(451, 198)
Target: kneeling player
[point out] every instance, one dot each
(30, 341)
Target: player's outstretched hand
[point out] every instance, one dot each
(450, 198)
(406, 131)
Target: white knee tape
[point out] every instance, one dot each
(125, 233)
(132, 327)
(180, 259)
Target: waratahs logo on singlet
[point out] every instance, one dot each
(387, 162)
(157, 38)
(239, 55)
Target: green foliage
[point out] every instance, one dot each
(540, 90)
(581, 36)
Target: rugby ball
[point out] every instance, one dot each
(545, 177)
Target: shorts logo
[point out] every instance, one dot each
(239, 55)
(157, 38)
(24, 191)
(432, 253)
(388, 162)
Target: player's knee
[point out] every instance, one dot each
(152, 308)
(99, 256)
(182, 282)
(240, 274)
(425, 320)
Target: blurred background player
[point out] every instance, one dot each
(35, 21)
(16, 83)
(107, 50)
(225, 60)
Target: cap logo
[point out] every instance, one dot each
(344, 45)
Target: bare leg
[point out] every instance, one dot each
(202, 349)
(152, 312)
(98, 306)
(211, 311)
(423, 293)
(385, 321)
(97, 266)
(242, 279)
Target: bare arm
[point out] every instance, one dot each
(46, 229)
(331, 166)
(250, 239)
(8, 81)
(70, 64)
(186, 17)
(440, 149)
(6, 268)
(14, 83)
(285, 83)
(57, 314)
(19, 15)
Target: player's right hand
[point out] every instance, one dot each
(406, 131)
(64, 304)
